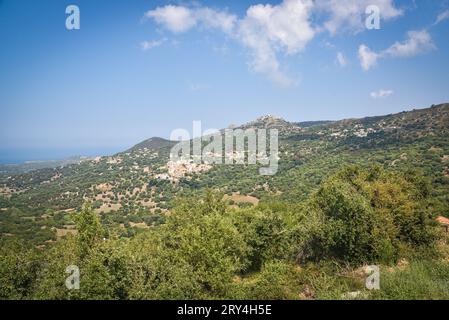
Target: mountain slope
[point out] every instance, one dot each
(154, 143)
(140, 185)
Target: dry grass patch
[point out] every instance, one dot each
(238, 198)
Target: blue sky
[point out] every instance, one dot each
(142, 68)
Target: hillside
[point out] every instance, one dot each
(137, 188)
(154, 143)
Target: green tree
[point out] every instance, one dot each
(19, 266)
(90, 230)
(369, 215)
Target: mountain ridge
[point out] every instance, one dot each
(285, 127)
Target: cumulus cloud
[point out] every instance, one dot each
(442, 16)
(341, 60)
(265, 30)
(178, 19)
(417, 42)
(381, 94)
(368, 58)
(174, 18)
(350, 15)
(150, 44)
(269, 31)
(216, 19)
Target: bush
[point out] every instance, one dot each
(18, 270)
(366, 215)
(277, 280)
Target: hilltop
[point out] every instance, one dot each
(154, 143)
(272, 122)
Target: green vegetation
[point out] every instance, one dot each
(207, 249)
(347, 194)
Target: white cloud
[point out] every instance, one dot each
(442, 16)
(349, 15)
(368, 58)
(216, 19)
(174, 18)
(267, 30)
(418, 42)
(381, 94)
(178, 19)
(286, 25)
(147, 45)
(341, 60)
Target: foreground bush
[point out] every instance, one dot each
(276, 250)
(364, 216)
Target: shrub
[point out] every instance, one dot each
(367, 215)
